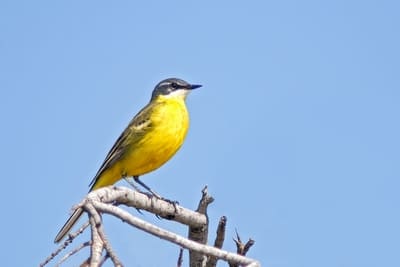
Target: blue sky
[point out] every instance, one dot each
(295, 130)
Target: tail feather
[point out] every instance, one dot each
(68, 225)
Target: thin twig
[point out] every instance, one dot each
(241, 248)
(180, 258)
(72, 252)
(106, 244)
(64, 245)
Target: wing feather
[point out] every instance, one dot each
(135, 129)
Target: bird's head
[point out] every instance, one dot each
(173, 87)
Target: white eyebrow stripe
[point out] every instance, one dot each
(164, 84)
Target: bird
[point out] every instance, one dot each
(151, 138)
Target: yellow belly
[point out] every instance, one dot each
(165, 135)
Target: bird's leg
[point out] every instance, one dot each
(131, 183)
(175, 203)
(137, 180)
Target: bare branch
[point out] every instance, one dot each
(200, 233)
(68, 241)
(73, 235)
(97, 245)
(241, 248)
(99, 238)
(205, 200)
(72, 252)
(170, 236)
(219, 241)
(104, 200)
(180, 258)
(138, 200)
(108, 248)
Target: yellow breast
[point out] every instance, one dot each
(158, 141)
(169, 123)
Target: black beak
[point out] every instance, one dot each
(194, 86)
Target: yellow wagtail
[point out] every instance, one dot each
(152, 137)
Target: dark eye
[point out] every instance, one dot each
(174, 85)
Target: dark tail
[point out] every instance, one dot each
(68, 225)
